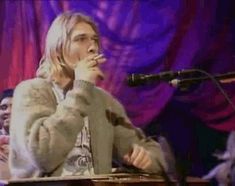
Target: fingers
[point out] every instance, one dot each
(99, 56)
(98, 72)
(95, 60)
(3, 157)
(94, 57)
(139, 157)
(88, 69)
(92, 63)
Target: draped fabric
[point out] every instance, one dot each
(138, 36)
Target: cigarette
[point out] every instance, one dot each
(99, 56)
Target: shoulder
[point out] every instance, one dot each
(33, 83)
(36, 87)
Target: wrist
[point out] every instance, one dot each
(78, 83)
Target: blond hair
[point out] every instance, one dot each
(53, 64)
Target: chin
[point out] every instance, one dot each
(6, 126)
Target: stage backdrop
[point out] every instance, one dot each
(138, 36)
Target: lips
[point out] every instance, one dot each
(6, 117)
(6, 121)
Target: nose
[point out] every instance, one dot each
(8, 110)
(93, 47)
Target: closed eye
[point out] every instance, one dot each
(81, 38)
(85, 38)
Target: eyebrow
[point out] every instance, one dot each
(82, 35)
(5, 104)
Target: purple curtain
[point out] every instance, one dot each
(138, 36)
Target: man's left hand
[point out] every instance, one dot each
(138, 157)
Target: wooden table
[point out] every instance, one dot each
(100, 180)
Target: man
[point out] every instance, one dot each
(68, 126)
(5, 110)
(5, 114)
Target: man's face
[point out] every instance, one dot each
(5, 113)
(84, 42)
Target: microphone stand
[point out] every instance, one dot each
(184, 83)
(216, 79)
(223, 78)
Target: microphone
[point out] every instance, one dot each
(141, 79)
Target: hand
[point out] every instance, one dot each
(139, 157)
(88, 69)
(4, 148)
(4, 155)
(4, 139)
(4, 169)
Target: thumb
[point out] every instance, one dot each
(127, 156)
